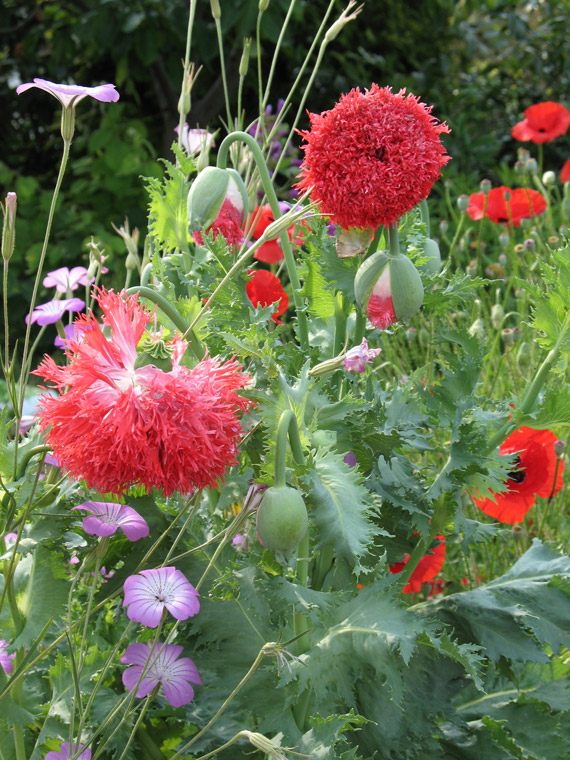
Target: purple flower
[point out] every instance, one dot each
(350, 459)
(106, 518)
(358, 357)
(196, 140)
(239, 542)
(151, 591)
(65, 752)
(10, 539)
(64, 279)
(49, 313)
(71, 94)
(166, 669)
(71, 333)
(5, 658)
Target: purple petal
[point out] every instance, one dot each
(64, 753)
(71, 94)
(49, 313)
(95, 527)
(136, 654)
(132, 524)
(178, 693)
(71, 332)
(131, 677)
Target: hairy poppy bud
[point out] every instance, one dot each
(9, 227)
(549, 178)
(282, 521)
(388, 289)
(218, 200)
(497, 315)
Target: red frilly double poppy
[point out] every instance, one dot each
(427, 568)
(270, 252)
(522, 204)
(264, 289)
(542, 123)
(534, 475)
(372, 157)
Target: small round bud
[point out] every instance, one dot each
(559, 447)
(518, 532)
(554, 241)
(486, 186)
(503, 259)
(463, 202)
(443, 226)
(411, 334)
(244, 62)
(523, 154)
(448, 184)
(507, 195)
(497, 315)
(549, 178)
(520, 167)
(529, 244)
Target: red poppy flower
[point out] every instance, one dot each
(542, 123)
(534, 475)
(565, 172)
(264, 289)
(270, 252)
(115, 423)
(522, 204)
(427, 568)
(373, 157)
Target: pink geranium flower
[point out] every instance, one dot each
(167, 668)
(49, 313)
(106, 518)
(71, 94)
(114, 424)
(150, 592)
(66, 751)
(65, 279)
(5, 658)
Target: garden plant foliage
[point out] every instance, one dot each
(292, 488)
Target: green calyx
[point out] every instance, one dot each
(367, 276)
(432, 253)
(154, 351)
(406, 286)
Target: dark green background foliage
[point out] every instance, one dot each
(479, 63)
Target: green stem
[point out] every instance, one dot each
(275, 56)
(456, 236)
(284, 237)
(6, 330)
(393, 241)
(171, 312)
(25, 370)
(223, 69)
(192, 13)
(287, 425)
(19, 743)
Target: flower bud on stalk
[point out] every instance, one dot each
(244, 62)
(9, 227)
(218, 199)
(549, 178)
(463, 203)
(497, 315)
(477, 329)
(388, 289)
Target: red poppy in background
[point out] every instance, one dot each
(565, 172)
(428, 567)
(522, 204)
(532, 476)
(270, 252)
(542, 123)
(372, 157)
(264, 289)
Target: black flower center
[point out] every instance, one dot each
(518, 474)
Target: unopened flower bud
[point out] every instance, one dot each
(497, 315)
(131, 261)
(486, 186)
(520, 167)
(554, 241)
(518, 532)
(388, 289)
(503, 259)
(529, 244)
(549, 178)
(471, 270)
(431, 251)
(210, 190)
(9, 226)
(559, 447)
(244, 61)
(443, 226)
(507, 195)
(532, 166)
(344, 18)
(411, 334)
(216, 10)
(263, 5)
(463, 203)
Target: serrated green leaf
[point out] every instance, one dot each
(554, 409)
(467, 655)
(516, 615)
(167, 209)
(341, 508)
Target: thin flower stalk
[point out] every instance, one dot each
(186, 67)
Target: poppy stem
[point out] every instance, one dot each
(276, 211)
(287, 425)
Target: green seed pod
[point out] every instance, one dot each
(282, 521)
(407, 288)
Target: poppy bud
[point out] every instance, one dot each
(486, 186)
(559, 447)
(443, 226)
(518, 532)
(504, 239)
(388, 289)
(548, 178)
(212, 188)
(532, 166)
(497, 315)
(431, 251)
